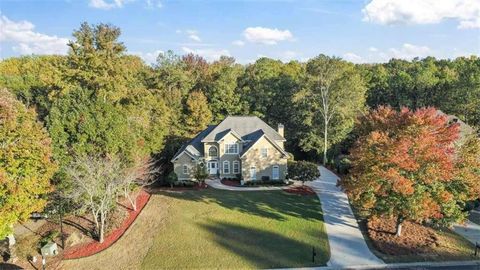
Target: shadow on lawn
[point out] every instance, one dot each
(266, 249)
(270, 204)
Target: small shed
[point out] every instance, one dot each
(49, 249)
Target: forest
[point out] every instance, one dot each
(99, 101)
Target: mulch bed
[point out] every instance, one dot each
(177, 188)
(232, 183)
(88, 249)
(415, 238)
(301, 190)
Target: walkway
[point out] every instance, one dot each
(347, 245)
(469, 230)
(218, 185)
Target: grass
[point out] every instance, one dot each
(228, 229)
(219, 229)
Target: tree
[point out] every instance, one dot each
(200, 173)
(332, 96)
(197, 115)
(468, 168)
(97, 183)
(26, 163)
(303, 171)
(221, 88)
(403, 166)
(134, 178)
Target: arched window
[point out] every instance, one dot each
(212, 151)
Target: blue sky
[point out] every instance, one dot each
(360, 31)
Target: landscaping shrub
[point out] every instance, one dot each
(303, 171)
(172, 178)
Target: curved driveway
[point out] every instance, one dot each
(347, 245)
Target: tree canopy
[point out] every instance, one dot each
(403, 165)
(26, 163)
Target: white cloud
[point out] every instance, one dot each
(106, 5)
(409, 51)
(151, 4)
(209, 54)
(149, 57)
(194, 37)
(406, 51)
(238, 43)
(266, 36)
(466, 12)
(352, 57)
(27, 41)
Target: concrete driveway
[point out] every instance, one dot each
(347, 245)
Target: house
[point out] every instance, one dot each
(241, 147)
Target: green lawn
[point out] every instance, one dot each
(224, 229)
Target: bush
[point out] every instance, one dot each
(171, 178)
(303, 171)
(265, 178)
(48, 238)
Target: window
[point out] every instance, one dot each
(212, 151)
(231, 148)
(253, 173)
(236, 167)
(275, 173)
(264, 152)
(185, 169)
(226, 167)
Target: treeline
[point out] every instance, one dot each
(88, 98)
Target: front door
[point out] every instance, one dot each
(212, 167)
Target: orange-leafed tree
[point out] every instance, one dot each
(405, 166)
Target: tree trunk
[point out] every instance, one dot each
(325, 143)
(102, 228)
(399, 226)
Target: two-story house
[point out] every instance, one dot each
(239, 147)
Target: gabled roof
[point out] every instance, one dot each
(255, 137)
(243, 126)
(194, 147)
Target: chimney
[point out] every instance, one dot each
(281, 130)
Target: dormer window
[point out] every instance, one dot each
(212, 151)
(231, 148)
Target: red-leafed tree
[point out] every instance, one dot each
(405, 166)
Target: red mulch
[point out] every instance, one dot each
(91, 248)
(232, 183)
(415, 238)
(302, 190)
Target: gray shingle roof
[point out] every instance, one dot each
(243, 126)
(249, 128)
(195, 146)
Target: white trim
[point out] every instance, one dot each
(278, 172)
(225, 148)
(250, 172)
(266, 152)
(236, 162)
(181, 153)
(228, 166)
(268, 139)
(218, 154)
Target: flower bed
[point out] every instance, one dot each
(302, 190)
(92, 248)
(232, 183)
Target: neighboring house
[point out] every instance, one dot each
(242, 147)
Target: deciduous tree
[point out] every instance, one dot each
(404, 166)
(26, 163)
